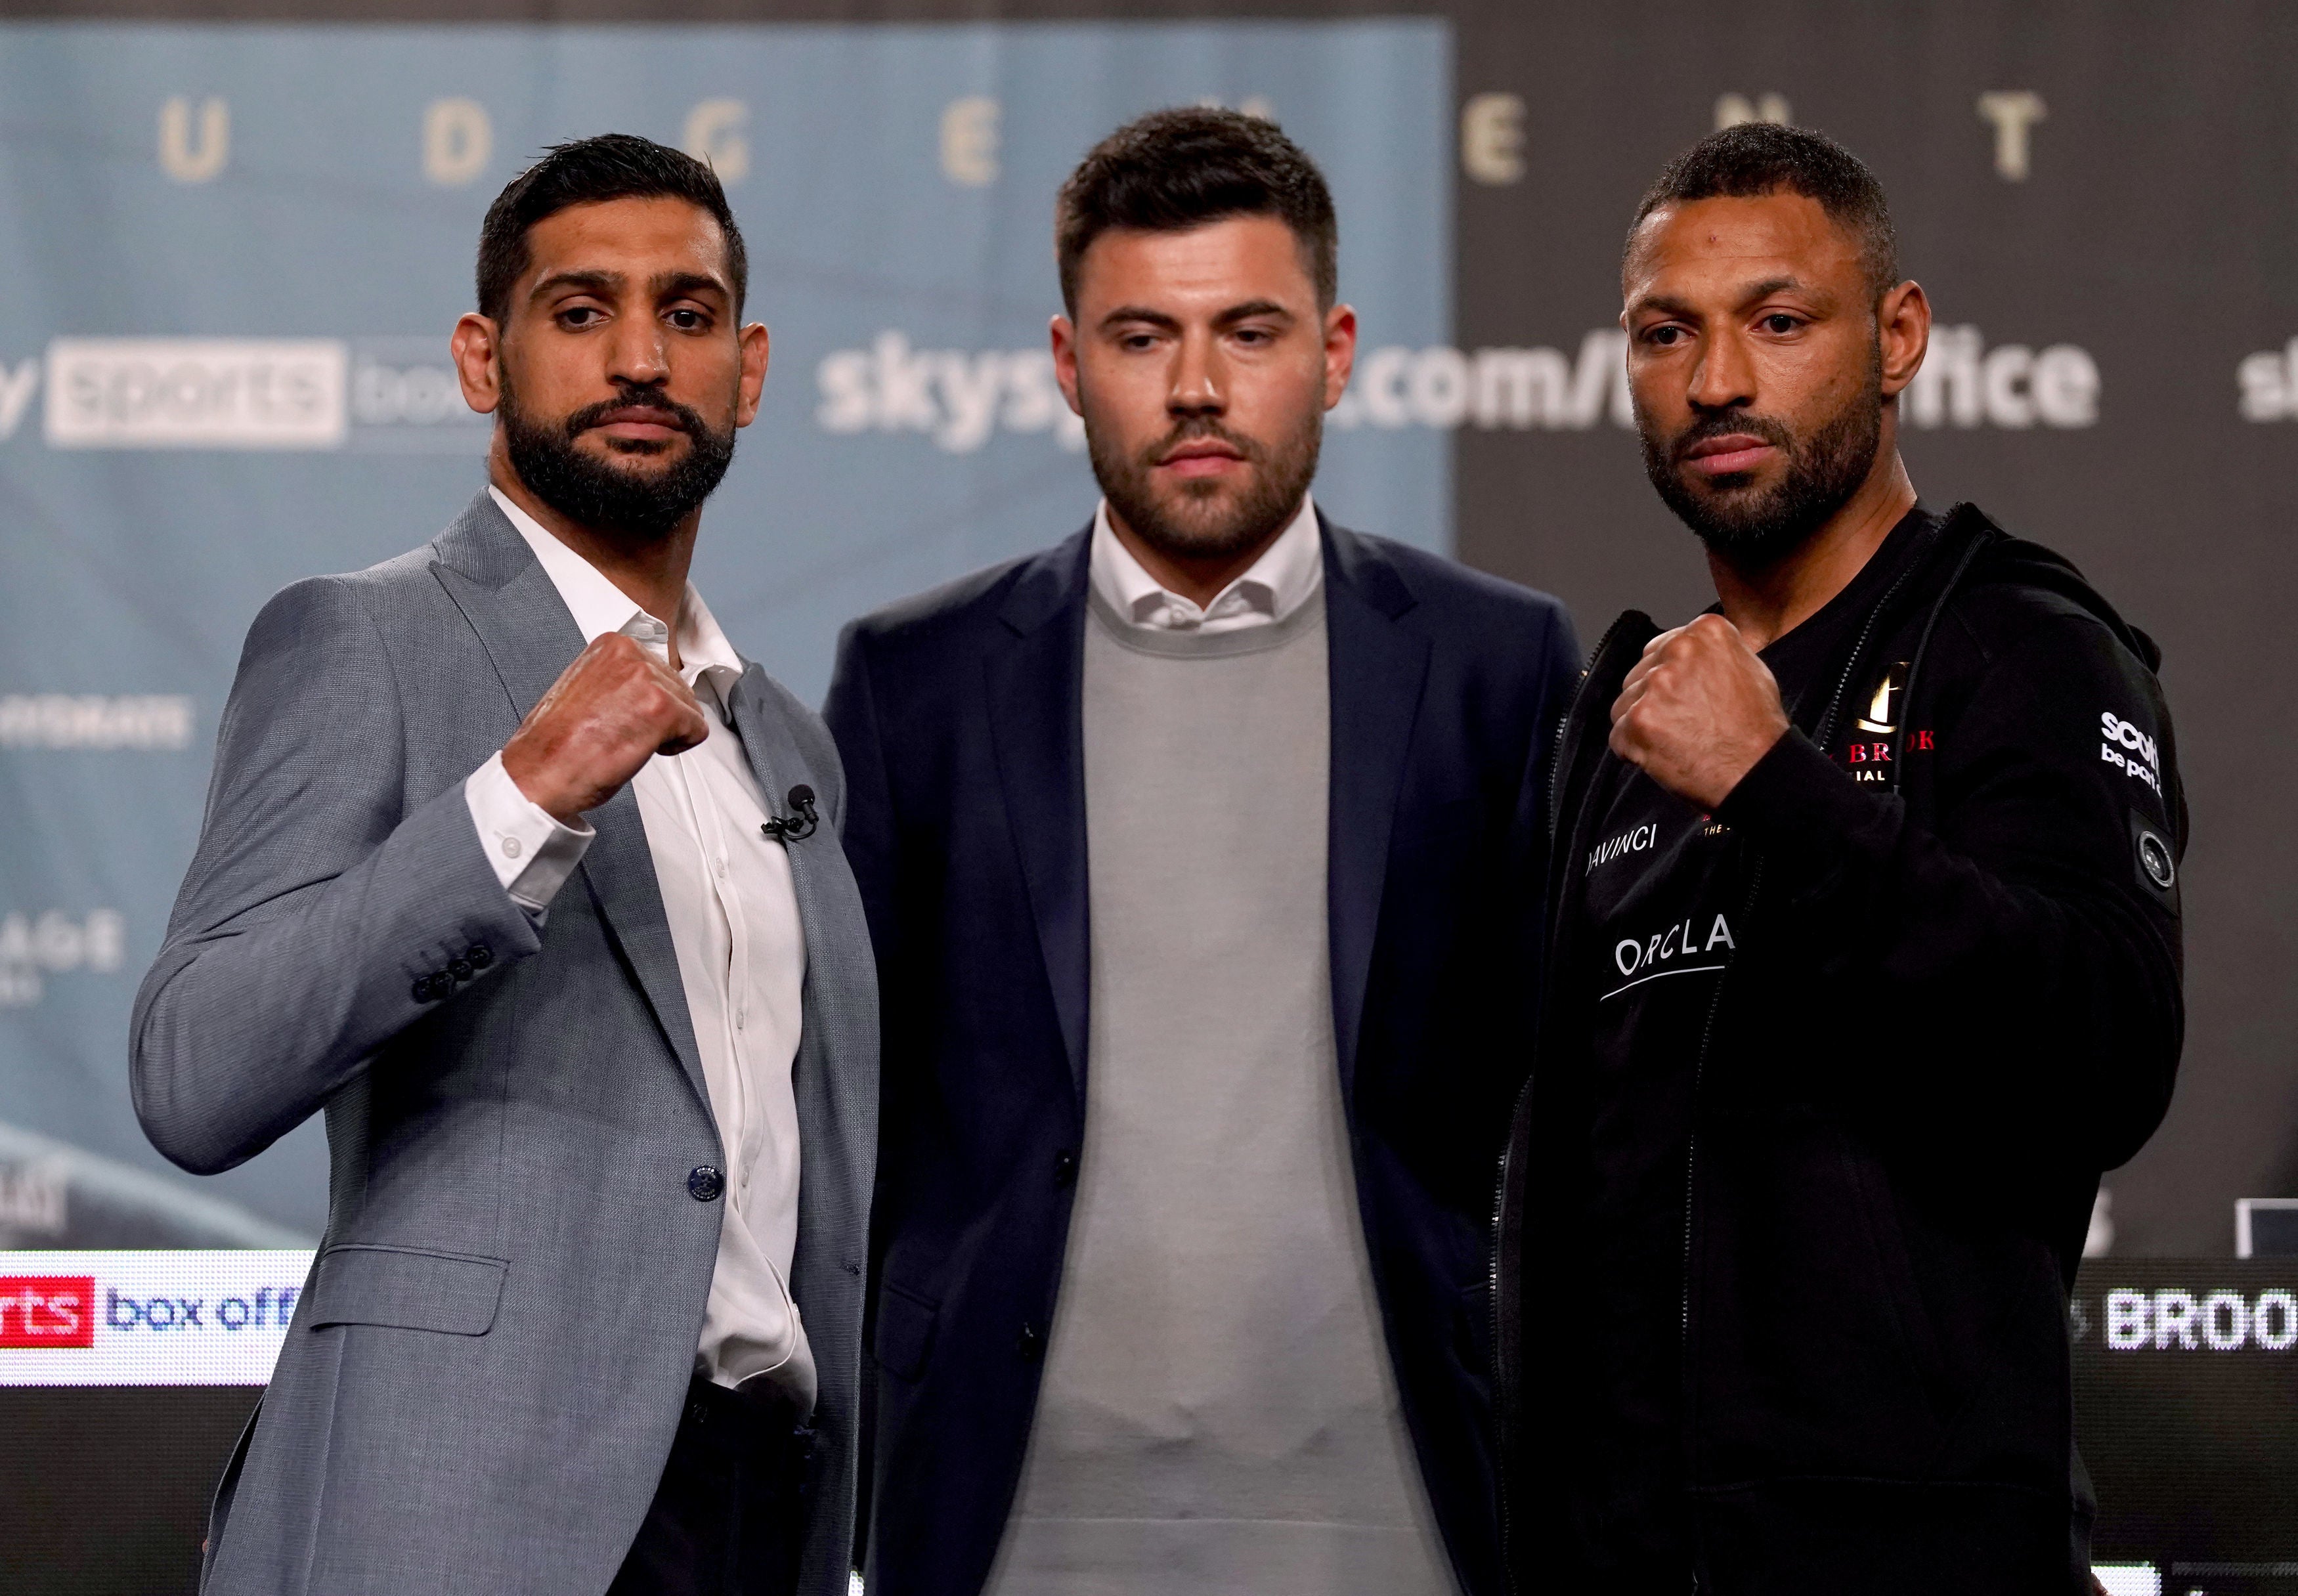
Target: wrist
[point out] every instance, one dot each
(1752, 755)
(535, 786)
(1796, 798)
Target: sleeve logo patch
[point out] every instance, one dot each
(2155, 859)
(2128, 749)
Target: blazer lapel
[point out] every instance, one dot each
(774, 759)
(1036, 677)
(1378, 671)
(504, 592)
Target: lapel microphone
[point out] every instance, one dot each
(799, 825)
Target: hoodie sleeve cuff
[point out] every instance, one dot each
(1799, 802)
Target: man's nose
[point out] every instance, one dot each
(1725, 378)
(1198, 380)
(638, 352)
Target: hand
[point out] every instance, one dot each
(1699, 711)
(615, 708)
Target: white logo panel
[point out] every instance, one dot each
(196, 393)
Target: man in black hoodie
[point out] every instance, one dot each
(1865, 961)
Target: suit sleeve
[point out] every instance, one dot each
(1560, 666)
(851, 711)
(320, 918)
(2018, 965)
(1558, 677)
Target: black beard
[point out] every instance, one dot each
(1201, 521)
(1751, 530)
(640, 504)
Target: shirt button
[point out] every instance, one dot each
(510, 848)
(703, 1183)
(1031, 1345)
(739, 1015)
(1065, 1168)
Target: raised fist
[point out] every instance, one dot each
(1699, 711)
(612, 710)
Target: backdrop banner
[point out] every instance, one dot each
(234, 251)
(234, 255)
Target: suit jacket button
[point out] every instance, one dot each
(1031, 1345)
(703, 1183)
(460, 969)
(479, 957)
(421, 990)
(1065, 1168)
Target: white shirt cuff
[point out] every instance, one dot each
(532, 853)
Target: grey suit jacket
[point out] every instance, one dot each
(485, 1371)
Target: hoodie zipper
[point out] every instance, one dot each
(1715, 1000)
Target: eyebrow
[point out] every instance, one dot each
(673, 285)
(1771, 285)
(1228, 318)
(1667, 306)
(668, 285)
(1661, 304)
(1250, 309)
(586, 282)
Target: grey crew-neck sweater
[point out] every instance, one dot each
(1217, 1411)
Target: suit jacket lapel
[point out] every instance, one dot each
(1378, 671)
(774, 759)
(1035, 677)
(495, 580)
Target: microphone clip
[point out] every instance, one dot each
(800, 823)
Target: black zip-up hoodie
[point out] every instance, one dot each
(1952, 1000)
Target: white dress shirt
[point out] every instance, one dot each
(1288, 574)
(734, 918)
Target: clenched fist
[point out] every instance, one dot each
(615, 708)
(1699, 711)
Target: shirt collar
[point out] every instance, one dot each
(1285, 577)
(599, 608)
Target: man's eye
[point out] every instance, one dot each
(1254, 335)
(576, 316)
(1664, 335)
(1780, 321)
(1137, 342)
(688, 321)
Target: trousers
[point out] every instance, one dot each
(730, 1514)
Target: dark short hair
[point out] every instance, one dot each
(612, 166)
(1754, 159)
(1175, 170)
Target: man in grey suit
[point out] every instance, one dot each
(517, 870)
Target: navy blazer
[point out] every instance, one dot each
(959, 716)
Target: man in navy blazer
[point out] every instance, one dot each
(1201, 853)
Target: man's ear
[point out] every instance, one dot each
(1063, 332)
(477, 347)
(755, 346)
(1340, 351)
(1903, 328)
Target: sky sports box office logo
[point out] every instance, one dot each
(146, 1319)
(401, 393)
